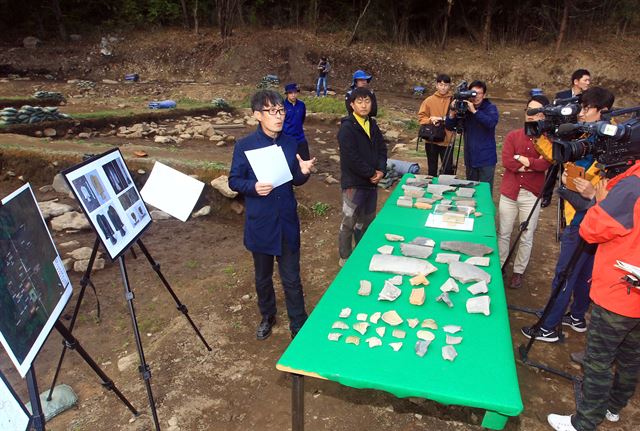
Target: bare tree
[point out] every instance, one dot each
(443, 42)
(57, 13)
(195, 17)
(563, 26)
(226, 14)
(185, 14)
(355, 28)
(486, 30)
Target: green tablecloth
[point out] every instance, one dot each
(483, 375)
(483, 226)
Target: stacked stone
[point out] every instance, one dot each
(30, 115)
(49, 95)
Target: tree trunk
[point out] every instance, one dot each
(486, 30)
(185, 14)
(314, 13)
(563, 26)
(355, 28)
(443, 42)
(226, 13)
(195, 18)
(57, 13)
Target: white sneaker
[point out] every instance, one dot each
(560, 423)
(612, 417)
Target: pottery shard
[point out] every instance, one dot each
(478, 288)
(375, 317)
(365, 288)
(352, 339)
(450, 339)
(334, 336)
(70, 220)
(345, 312)
(221, 184)
(422, 206)
(392, 318)
(465, 273)
(429, 323)
(53, 209)
(425, 335)
(82, 253)
(468, 248)
(396, 281)
(478, 261)
(444, 297)
(449, 353)
(339, 325)
(380, 330)
(450, 286)
(447, 258)
(451, 329)
(479, 304)
(361, 327)
(396, 346)
(421, 348)
(374, 342)
(419, 279)
(413, 250)
(399, 333)
(361, 317)
(389, 292)
(385, 249)
(412, 323)
(417, 296)
(393, 237)
(400, 265)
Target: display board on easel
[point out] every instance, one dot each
(13, 414)
(110, 199)
(34, 286)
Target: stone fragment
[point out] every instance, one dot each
(81, 265)
(468, 248)
(413, 192)
(385, 249)
(449, 353)
(127, 362)
(393, 237)
(444, 297)
(398, 333)
(421, 348)
(380, 330)
(345, 312)
(478, 261)
(450, 339)
(396, 346)
(447, 258)
(396, 281)
(429, 323)
(352, 339)
(439, 189)
(334, 336)
(237, 207)
(362, 317)
(392, 318)
(375, 317)
(479, 304)
(425, 335)
(413, 323)
(413, 250)
(389, 292)
(68, 264)
(69, 244)
(221, 184)
(405, 202)
(478, 288)
(465, 192)
(361, 327)
(339, 325)
(465, 273)
(419, 279)
(49, 132)
(374, 342)
(451, 329)
(159, 215)
(450, 286)
(70, 220)
(400, 265)
(204, 211)
(365, 288)
(417, 296)
(451, 180)
(51, 209)
(82, 253)
(60, 185)
(423, 241)
(418, 182)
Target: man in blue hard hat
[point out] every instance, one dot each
(296, 111)
(361, 79)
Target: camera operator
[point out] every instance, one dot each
(480, 122)
(614, 331)
(523, 179)
(580, 81)
(594, 102)
(432, 111)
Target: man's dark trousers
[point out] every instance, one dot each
(484, 174)
(289, 269)
(435, 152)
(612, 340)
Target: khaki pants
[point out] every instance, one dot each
(508, 211)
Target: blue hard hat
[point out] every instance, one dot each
(290, 88)
(361, 74)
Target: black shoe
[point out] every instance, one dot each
(264, 329)
(545, 202)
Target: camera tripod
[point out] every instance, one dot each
(456, 140)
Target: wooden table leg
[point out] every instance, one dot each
(297, 402)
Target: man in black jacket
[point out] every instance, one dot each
(363, 162)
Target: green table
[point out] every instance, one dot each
(483, 375)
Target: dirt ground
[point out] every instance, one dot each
(236, 386)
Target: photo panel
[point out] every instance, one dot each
(113, 188)
(34, 286)
(13, 414)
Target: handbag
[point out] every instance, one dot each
(432, 132)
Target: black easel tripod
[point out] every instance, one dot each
(456, 139)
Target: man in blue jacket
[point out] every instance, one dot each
(272, 227)
(480, 123)
(296, 111)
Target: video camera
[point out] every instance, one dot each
(460, 96)
(561, 111)
(614, 146)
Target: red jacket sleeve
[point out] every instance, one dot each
(508, 151)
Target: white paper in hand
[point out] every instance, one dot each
(270, 165)
(171, 191)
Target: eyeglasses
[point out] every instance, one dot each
(275, 111)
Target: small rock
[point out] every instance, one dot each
(109, 81)
(235, 308)
(163, 140)
(60, 185)
(221, 144)
(246, 297)
(11, 174)
(51, 209)
(204, 211)
(21, 178)
(69, 244)
(82, 253)
(67, 263)
(221, 184)
(159, 215)
(330, 180)
(84, 135)
(70, 220)
(31, 42)
(127, 362)
(141, 172)
(49, 132)
(335, 158)
(216, 138)
(81, 265)
(237, 207)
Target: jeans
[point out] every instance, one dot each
(322, 80)
(435, 152)
(484, 174)
(508, 211)
(289, 269)
(577, 284)
(358, 211)
(612, 340)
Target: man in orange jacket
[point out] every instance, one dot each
(614, 332)
(433, 110)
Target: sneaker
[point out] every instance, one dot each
(560, 423)
(612, 417)
(540, 334)
(516, 281)
(578, 325)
